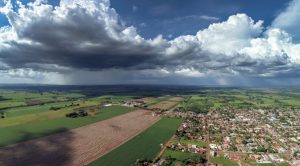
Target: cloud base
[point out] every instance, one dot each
(87, 40)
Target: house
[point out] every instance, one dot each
(213, 146)
(213, 153)
(295, 162)
(107, 105)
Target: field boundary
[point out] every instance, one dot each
(97, 157)
(83, 145)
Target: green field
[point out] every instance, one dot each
(144, 146)
(180, 155)
(158, 100)
(35, 109)
(185, 141)
(222, 160)
(39, 113)
(12, 98)
(20, 122)
(242, 99)
(277, 164)
(26, 131)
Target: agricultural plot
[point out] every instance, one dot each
(38, 113)
(241, 99)
(144, 146)
(154, 100)
(32, 126)
(30, 118)
(10, 99)
(81, 145)
(167, 104)
(39, 108)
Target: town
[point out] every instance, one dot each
(235, 137)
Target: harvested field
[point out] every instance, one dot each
(145, 146)
(78, 146)
(164, 105)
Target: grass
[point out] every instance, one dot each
(35, 129)
(246, 99)
(144, 146)
(194, 142)
(34, 109)
(179, 155)
(271, 164)
(18, 98)
(222, 160)
(8, 103)
(41, 116)
(156, 100)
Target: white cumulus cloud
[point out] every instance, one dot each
(88, 36)
(289, 20)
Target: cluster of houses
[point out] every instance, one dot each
(134, 103)
(259, 136)
(263, 136)
(191, 148)
(191, 129)
(266, 158)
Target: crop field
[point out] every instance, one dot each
(50, 124)
(21, 121)
(20, 111)
(11, 98)
(167, 104)
(85, 144)
(154, 100)
(242, 99)
(144, 146)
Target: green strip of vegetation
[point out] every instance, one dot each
(144, 146)
(27, 131)
(36, 109)
(180, 156)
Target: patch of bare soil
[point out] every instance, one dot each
(78, 146)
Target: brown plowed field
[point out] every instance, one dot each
(78, 146)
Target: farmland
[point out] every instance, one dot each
(166, 104)
(92, 140)
(144, 146)
(37, 128)
(38, 116)
(219, 99)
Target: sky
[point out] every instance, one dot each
(193, 42)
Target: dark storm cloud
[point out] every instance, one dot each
(75, 36)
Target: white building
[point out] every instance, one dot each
(276, 158)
